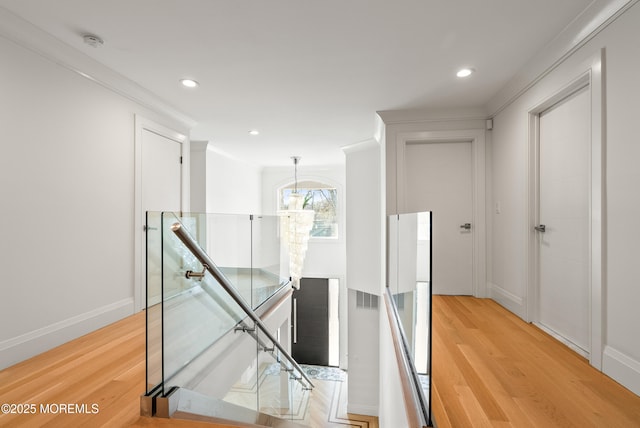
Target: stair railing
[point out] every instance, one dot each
(191, 244)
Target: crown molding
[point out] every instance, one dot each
(595, 18)
(393, 117)
(32, 38)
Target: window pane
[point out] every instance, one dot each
(323, 200)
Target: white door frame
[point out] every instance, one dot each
(592, 78)
(477, 139)
(142, 124)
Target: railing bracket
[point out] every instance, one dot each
(198, 275)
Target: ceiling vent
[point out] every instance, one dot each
(92, 40)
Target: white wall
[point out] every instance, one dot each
(198, 178)
(224, 185)
(366, 270)
(364, 358)
(233, 186)
(509, 160)
(221, 184)
(67, 174)
(623, 204)
(509, 188)
(365, 218)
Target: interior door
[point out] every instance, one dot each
(564, 288)
(161, 172)
(160, 191)
(310, 322)
(439, 179)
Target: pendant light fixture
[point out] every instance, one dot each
(296, 223)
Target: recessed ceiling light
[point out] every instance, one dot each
(189, 83)
(254, 132)
(465, 72)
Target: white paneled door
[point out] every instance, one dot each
(439, 179)
(161, 172)
(161, 183)
(563, 233)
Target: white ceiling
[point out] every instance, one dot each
(309, 75)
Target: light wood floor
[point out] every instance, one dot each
(106, 368)
(491, 369)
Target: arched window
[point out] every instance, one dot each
(319, 197)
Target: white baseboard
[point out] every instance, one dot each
(622, 368)
(27, 345)
(566, 342)
(362, 409)
(507, 299)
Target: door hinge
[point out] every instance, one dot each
(180, 160)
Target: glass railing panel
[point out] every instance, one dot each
(282, 390)
(199, 335)
(235, 379)
(413, 309)
(153, 267)
(299, 396)
(269, 267)
(246, 248)
(196, 310)
(176, 260)
(273, 384)
(162, 282)
(228, 243)
(193, 322)
(223, 381)
(409, 282)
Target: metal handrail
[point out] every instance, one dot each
(210, 266)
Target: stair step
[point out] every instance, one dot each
(199, 407)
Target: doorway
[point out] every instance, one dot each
(310, 322)
(591, 80)
(315, 322)
(439, 179)
(408, 196)
(564, 143)
(159, 182)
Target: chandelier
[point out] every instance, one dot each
(296, 224)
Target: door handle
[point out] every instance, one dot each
(466, 226)
(542, 228)
(295, 321)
